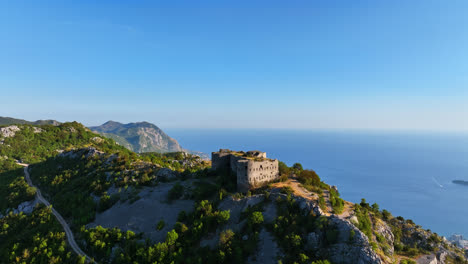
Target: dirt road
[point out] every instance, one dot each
(68, 232)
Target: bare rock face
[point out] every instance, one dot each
(139, 137)
(97, 139)
(428, 259)
(383, 229)
(9, 131)
(88, 152)
(37, 130)
(25, 207)
(313, 241)
(350, 249)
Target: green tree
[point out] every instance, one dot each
(160, 225)
(298, 167)
(256, 218)
(226, 236)
(171, 237)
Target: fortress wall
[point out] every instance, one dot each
(220, 160)
(234, 162)
(260, 172)
(242, 176)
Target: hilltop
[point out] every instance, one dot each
(12, 121)
(126, 207)
(139, 137)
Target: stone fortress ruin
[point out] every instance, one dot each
(253, 169)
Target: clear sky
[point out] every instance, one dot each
(397, 65)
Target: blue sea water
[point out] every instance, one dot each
(409, 174)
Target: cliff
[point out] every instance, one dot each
(139, 137)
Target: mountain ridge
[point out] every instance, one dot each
(139, 136)
(16, 121)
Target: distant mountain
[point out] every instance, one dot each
(139, 137)
(14, 121)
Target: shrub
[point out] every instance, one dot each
(379, 238)
(309, 177)
(256, 218)
(298, 167)
(284, 169)
(386, 215)
(407, 261)
(226, 236)
(352, 234)
(223, 216)
(107, 201)
(171, 237)
(287, 190)
(365, 224)
(398, 246)
(284, 177)
(160, 225)
(322, 203)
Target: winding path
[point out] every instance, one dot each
(68, 232)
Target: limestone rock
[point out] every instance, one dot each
(383, 229)
(25, 207)
(37, 130)
(97, 139)
(354, 220)
(9, 131)
(252, 201)
(428, 259)
(313, 241)
(91, 152)
(356, 249)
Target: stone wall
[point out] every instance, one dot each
(261, 172)
(220, 160)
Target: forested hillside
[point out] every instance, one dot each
(125, 207)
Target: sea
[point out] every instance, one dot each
(409, 174)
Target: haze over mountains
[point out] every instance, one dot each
(138, 137)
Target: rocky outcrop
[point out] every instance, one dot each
(87, 152)
(97, 139)
(25, 207)
(428, 259)
(9, 131)
(352, 245)
(384, 230)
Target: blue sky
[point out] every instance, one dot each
(386, 65)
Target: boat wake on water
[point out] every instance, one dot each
(436, 182)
